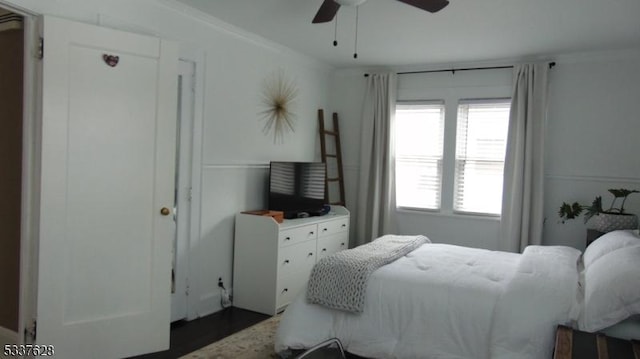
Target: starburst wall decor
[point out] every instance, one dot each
(278, 95)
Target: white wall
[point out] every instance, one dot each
(593, 140)
(593, 143)
(347, 94)
(231, 66)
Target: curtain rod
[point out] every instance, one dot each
(551, 65)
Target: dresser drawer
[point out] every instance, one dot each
(332, 244)
(332, 227)
(298, 234)
(288, 288)
(297, 259)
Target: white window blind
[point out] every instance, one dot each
(312, 178)
(480, 152)
(419, 138)
(282, 178)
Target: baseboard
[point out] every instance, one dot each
(8, 336)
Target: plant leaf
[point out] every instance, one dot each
(594, 209)
(622, 192)
(569, 211)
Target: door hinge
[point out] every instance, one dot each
(40, 54)
(190, 195)
(31, 331)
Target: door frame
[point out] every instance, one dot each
(31, 146)
(184, 163)
(29, 149)
(198, 57)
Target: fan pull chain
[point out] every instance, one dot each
(335, 32)
(355, 45)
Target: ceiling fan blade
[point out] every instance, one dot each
(327, 11)
(427, 5)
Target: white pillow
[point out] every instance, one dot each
(612, 289)
(608, 243)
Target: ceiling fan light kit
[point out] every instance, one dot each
(329, 9)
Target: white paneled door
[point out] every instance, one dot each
(107, 191)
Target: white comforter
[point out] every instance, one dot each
(444, 301)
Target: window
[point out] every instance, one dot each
(480, 150)
(457, 171)
(419, 140)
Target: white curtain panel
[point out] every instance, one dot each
(375, 211)
(522, 213)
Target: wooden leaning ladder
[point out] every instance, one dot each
(337, 156)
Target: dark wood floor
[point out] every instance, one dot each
(190, 336)
(187, 337)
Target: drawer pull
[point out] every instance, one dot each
(311, 233)
(287, 238)
(324, 229)
(324, 249)
(286, 261)
(310, 254)
(285, 290)
(341, 244)
(344, 225)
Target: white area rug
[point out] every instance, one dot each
(255, 342)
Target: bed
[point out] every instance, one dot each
(446, 301)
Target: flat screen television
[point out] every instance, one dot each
(297, 188)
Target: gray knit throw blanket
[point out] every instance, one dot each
(339, 281)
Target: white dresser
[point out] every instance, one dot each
(272, 261)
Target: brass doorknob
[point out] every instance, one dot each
(165, 211)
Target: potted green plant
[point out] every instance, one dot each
(603, 220)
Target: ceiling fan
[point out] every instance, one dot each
(329, 8)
